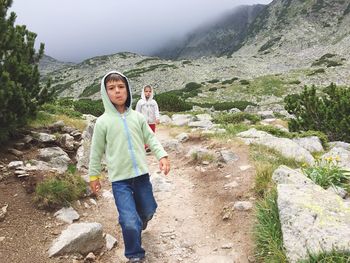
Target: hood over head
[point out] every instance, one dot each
(108, 105)
(143, 93)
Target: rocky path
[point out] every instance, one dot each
(189, 225)
(194, 222)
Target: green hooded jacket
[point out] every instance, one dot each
(121, 137)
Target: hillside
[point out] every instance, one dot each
(48, 64)
(289, 44)
(216, 38)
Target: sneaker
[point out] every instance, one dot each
(144, 225)
(136, 260)
(145, 222)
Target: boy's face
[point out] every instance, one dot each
(117, 92)
(148, 92)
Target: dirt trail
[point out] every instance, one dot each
(188, 226)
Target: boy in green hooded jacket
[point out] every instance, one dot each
(121, 133)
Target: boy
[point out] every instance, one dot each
(149, 108)
(121, 133)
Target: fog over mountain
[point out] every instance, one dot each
(77, 30)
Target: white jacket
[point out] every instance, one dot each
(149, 108)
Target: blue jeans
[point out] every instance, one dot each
(136, 204)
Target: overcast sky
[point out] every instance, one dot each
(74, 30)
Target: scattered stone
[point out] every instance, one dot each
(111, 242)
(242, 205)
(90, 257)
(80, 238)
(227, 246)
(245, 167)
(230, 185)
(67, 215)
(3, 212)
(15, 164)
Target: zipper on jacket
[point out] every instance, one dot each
(132, 153)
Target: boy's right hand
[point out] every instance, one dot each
(95, 186)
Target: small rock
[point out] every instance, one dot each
(90, 257)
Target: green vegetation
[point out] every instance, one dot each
(328, 113)
(213, 81)
(269, 44)
(134, 73)
(20, 93)
(268, 233)
(347, 10)
(319, 4)
(64, 86)
(234, 118)
(221, 106)
(92, 89)
(327, 173)
(330, 257)
(146, 60)
(325, 60)
(60, 190)
(244, 82)
(171, 102)
(198, 158)
(229, 81)
(266, 161)
(75, 108)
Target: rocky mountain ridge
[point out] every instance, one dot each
(217, 38)
(295, 42)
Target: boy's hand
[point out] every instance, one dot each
(95, 186)
(164, 165)
(157, 121)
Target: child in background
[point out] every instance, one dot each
(121, 133)
(149, 108)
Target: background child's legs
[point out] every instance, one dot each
(145, 203)
(129, 219)
(153, 128)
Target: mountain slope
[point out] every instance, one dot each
(48, 64)
(291, 26)
(215, 39)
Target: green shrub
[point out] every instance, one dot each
(269, 43)
(213, 89)
(171, 102)
(192, 86)
(317, 71)
(21, 94)
(221, 106)
(244, 82)
(326, 173)
(59, 191)
(229, 81)
(274, 131)
(213, 81)
(56, 108)
(88, 106)
(227, 118)
(328, 112)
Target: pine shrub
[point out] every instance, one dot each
(20, 93)
(328, 112)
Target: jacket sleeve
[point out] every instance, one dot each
(138, 106)
(156, 110)
(152, 141)
(98, 144)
